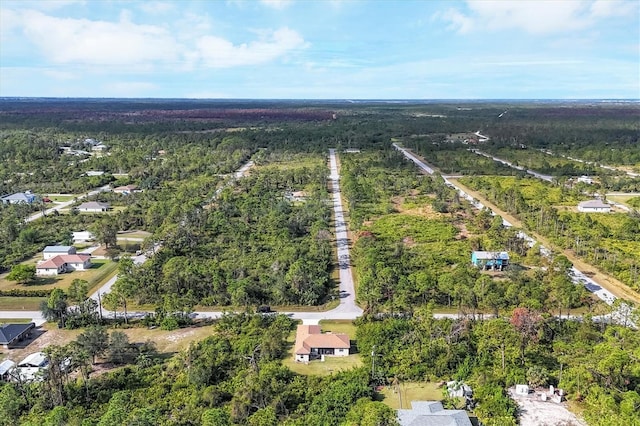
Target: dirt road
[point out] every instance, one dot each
(615, 286)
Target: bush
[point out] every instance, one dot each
(169, 323)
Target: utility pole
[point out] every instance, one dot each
(373, 362)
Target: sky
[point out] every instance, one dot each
(324, 49)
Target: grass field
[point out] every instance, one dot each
(410, 391)
(20, 303)
(61, 198)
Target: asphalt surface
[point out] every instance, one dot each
(66, 204)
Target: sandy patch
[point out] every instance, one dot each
(535, 412)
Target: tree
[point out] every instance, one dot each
(55, 307)
(23, 274)
(119, 350)
(78, 291)
(216, 417)
(94, 340)
(10, 405)
(366, 412)
(527, 323)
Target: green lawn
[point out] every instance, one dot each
(20, 303)
(319, 368)
(99, 273)
(410, 391)
(61, 198)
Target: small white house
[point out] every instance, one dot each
(50, 252)
(585, 179)
(93, 207)
(82, 236)
(594, 206)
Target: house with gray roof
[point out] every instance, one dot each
(19, 198)
(53, 251)
(93, 207)
(594, 206)
(432, 413)
(10, 334)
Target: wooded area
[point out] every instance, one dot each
(268, 239)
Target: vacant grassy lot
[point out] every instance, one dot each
(410, 391)
(20, 303)
(169, 341)
(61, 198)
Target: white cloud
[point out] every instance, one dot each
(533, 16)
(156, 7)
(216, 52)
(276, 4)
(126, 46)
(81, 41)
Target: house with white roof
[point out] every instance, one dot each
(82, 236)
(5, 369)
(31, 368)
(311, 343)
(432, 413)
(496, 260)
(594, 206)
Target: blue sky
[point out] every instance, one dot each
(329, 49)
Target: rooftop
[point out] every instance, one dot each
(488, 255)
(59, 249)
(8, 332)
(432, 413)
(310, 336)
(594, 204)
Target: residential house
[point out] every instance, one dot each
(31, 368)
(82, 236)
(126, 189)
(93, 207)
(99, 147)
(10, 334)
(64, 263)
(53, 251)
(496, 260)
(5, 369)
(26, 197)
(311, 343)
(432, 413)
(585, 179)
(94, 173)
(594, 206)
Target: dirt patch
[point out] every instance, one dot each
(408, 242)
(535, 412)
(46, 335)
(463, 232)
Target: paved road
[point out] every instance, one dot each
(548, 178)
(66, 204)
